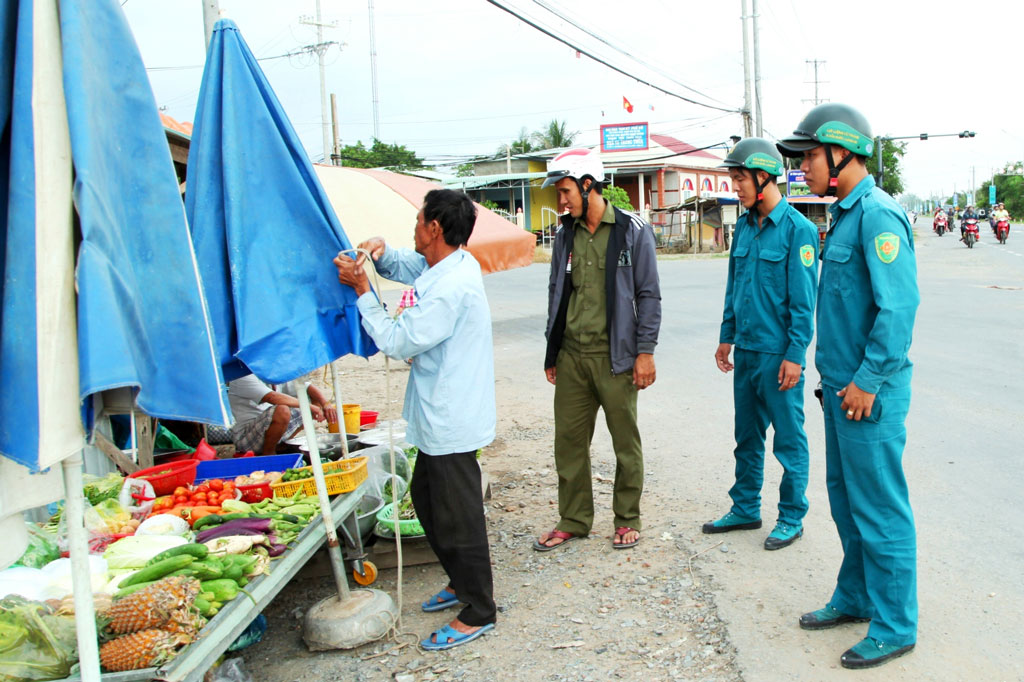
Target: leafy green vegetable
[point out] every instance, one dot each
(35, 643)
(97, 489)
(42, 547)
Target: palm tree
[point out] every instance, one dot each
(555, 136)
(522, 145)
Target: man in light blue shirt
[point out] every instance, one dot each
(449, 400)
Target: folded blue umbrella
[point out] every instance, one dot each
(142, 320)
(263, 229)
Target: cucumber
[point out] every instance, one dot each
(208, 520)
(193, 549)
(205, 570)
(204, 607)
(125, 591)
(158, 570)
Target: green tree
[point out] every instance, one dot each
(617, 197)
(555, 136)
(1009, 189)
(464, 170)
(892, 152)
(521, 145)
(379, 155)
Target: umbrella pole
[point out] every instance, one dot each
(337, 406)
(85, 621)
(333, 549)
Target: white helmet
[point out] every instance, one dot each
(576, 163)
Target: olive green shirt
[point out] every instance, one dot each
(586, 324)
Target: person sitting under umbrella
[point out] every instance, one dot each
(259, 428)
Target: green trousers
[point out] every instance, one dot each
(584, 382)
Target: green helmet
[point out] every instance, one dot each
(830, 123)
(756, 154)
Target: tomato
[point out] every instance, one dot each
(180, 499)
(199, 498)
(202, 488)
(180, 490)
(216, 484)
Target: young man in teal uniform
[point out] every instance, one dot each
(867, 299)
(769, 316)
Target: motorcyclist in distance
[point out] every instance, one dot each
(1000, 213)
(969, 213)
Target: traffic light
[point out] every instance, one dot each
(967, 133)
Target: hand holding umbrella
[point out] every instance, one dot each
(351, 272)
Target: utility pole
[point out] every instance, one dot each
(747, 124)
(321, 50)
(817, 99)
(211, 13)
(757, 70)
(373, 75)
(335, 142)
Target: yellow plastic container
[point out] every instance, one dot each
(342, 476)
(352, 412)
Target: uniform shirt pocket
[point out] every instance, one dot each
(772, 267)
(740, 253)
(836, 273)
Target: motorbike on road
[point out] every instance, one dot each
(1002, 230)
(971, 232)
(940, 224)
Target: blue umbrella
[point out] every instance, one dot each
(263, 229)
(141, 317)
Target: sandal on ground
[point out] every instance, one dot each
(443, 634)
(621, 533)
(553, 535)
(440, 601)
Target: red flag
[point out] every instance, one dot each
(627, 105)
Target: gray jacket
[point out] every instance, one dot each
(631, 286)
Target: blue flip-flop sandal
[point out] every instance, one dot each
(440, 601)
(442, 635)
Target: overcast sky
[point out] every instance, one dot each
(462, 77)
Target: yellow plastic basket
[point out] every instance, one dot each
(342, 476)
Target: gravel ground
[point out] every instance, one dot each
(584, 612)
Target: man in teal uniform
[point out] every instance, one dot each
(769, 316)
(867, 299)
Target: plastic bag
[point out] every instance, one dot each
(42, 547)
(35, 643)
(137, 497)
(104, 523)
(231, 670)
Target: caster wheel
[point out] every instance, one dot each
(368, 576)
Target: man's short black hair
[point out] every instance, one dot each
(454, 211)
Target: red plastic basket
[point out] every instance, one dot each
(367, 418)
(255, 493)
(166, 477)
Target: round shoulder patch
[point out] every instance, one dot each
(887, 247)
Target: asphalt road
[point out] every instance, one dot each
(963, 460)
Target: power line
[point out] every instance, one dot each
(561, 14)
(567, 42)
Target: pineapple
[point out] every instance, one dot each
(142, 649)
(166, 604)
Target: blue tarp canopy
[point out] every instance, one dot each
(139, 318)
(263, 229)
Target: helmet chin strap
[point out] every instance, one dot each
(760, 186)
(834, 170)
(585, 194)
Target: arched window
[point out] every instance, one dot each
(707, 185)
(688, 184)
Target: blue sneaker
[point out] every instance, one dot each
(731, 522)
(869, 652)
(783, 535)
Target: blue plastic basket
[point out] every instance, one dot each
(243, 466)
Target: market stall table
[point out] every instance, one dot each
(192, 662)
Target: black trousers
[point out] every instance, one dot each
(449, 504)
